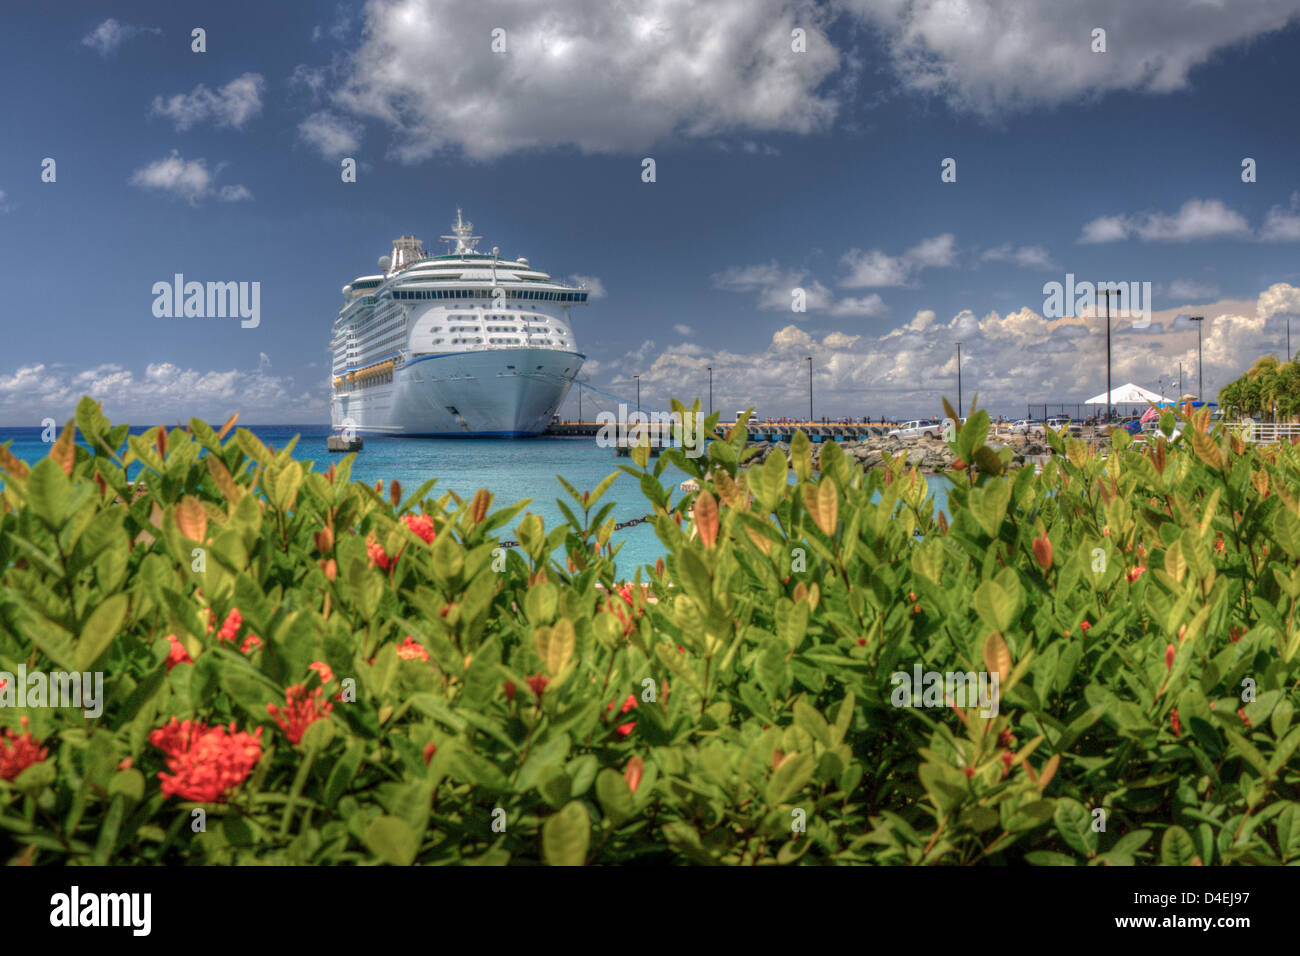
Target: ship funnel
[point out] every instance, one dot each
(406, 250)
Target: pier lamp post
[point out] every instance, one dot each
(1108, 293)
(810, 410)
(710, 389)
(579, 403)
(638, 392)
(1200, 370)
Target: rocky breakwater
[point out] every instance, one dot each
(931, 455)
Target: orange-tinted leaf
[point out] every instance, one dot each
(823, 503)
(1043, 552)
(482, 498)
(13, 465)
(706, 518)
(997, 656)
(221, 475)
(64, 451)
(632, 774)
(191, 518)
(230, 423)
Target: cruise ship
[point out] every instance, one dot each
(457, 345)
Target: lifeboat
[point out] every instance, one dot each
(375, 371)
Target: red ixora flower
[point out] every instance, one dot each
(379, 557)
(1175, 723)
(538, 683)
(250, 642)
(510, 690)
(422, 525)
(429, 751)
(234, 620)
(1235, 632)
(624, 729)
(299, 712)
(205, 762)
(411, 650)
(613, 607)
(17, 753)
(320, 667)
(1136, 573)
(1084, 627)
(178, 653)
(1241, 712)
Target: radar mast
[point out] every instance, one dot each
(462, 236)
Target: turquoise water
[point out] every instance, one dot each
(512, 469)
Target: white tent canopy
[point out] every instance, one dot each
(1129, 394)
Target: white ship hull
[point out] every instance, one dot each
(490, 393)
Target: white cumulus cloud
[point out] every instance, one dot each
(1195, 219)
(111, 34)
(232, 105)
(187, 179)
(596, 76)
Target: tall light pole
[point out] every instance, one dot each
(959, 405)
(810, 410)
(710, 389)
(1108, 293)
(1200, 370)
(638, 392)
(579, 403)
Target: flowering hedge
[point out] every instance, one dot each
(300, 668)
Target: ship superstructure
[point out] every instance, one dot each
(462, 344)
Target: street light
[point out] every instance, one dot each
(1200, 370)
(810, 410)
(638, 392)
(710, 389)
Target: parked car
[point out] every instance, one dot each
(920, 428)
(1057, 422)
(1027, 426)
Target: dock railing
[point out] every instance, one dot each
(1266, 433)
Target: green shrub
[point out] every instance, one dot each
(483, 704)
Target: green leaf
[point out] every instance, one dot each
(988, 505)
(49, 492)
(1074, 823)
(994, 606)
(566, 836)
(614, 796)
(392, 840)
(1177, 848)
(99, 631)
(789, 779)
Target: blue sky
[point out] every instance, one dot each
(775, 169)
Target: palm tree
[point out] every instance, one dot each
(1266, 382)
